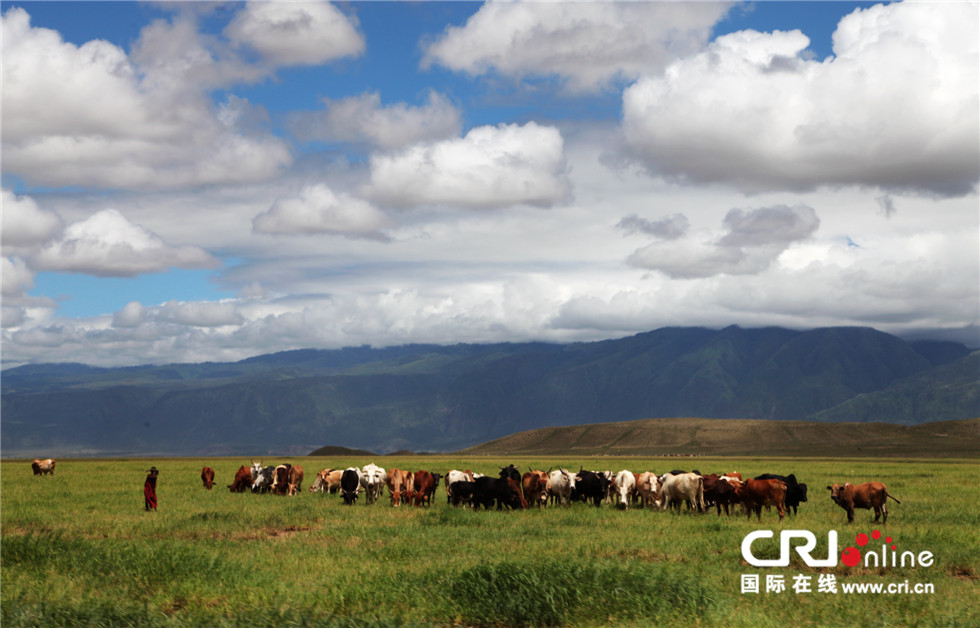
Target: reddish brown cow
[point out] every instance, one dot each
(718, 492)
(515, 487)
(733, 474)
(207, 476)
(280, 479)
(535, 485)
(425, 486)
(867, 496)
(758, 493)
(295, 480)
(242, 481)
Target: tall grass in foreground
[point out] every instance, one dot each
(77, 549)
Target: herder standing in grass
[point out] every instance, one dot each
(150, 489)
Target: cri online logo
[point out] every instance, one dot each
(851, 556)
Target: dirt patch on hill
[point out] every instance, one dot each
(735, 437)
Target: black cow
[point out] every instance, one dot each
(349, 485)
(462, 492)
(795, 491)
(488, 490)
(590, 485)
(510, 472)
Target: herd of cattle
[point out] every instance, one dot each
(515, 490)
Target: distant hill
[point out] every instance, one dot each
(746, 437)
(333, 450)
(443, 398)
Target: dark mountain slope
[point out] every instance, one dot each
(429, 397)
(950, 389)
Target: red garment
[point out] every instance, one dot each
(150, 492)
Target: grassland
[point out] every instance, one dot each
(78, 549)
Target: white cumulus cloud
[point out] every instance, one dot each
(109, 245)
(491, 166)
(296, 33)
(24, 224)
(895, 107)
(586, 44)
(92, 116)
(318, 209)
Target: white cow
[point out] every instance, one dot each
(456, 475)
(684, 487)
(560, 486)
(625, 485)
(372, 479)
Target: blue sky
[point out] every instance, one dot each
(188, 181)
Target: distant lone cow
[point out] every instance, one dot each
(43, 467)
(867, 496)
(207, 476)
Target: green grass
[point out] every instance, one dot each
(78, 549)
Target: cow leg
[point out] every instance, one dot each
(877, 513)
(884, 513)
(850, 514)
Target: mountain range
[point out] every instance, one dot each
(444, 398)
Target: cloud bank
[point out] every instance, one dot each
(895, 107)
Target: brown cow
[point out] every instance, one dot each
(867, 496)
(207, 476)
(425, 486)
(294, 480)
(242, 481)
(400, 484)
(327, 481)
(758, 493)
(535, 485)
(43, 467)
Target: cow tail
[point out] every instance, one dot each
(887, 495)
